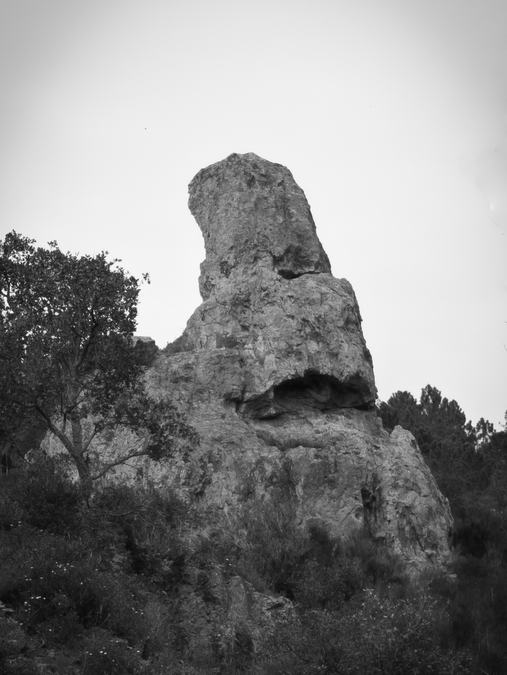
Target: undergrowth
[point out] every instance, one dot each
(139, 582)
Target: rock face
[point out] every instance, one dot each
(251, 212)
(274, 374)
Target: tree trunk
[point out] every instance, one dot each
(74, 445)
(85, 479)
(81, 462)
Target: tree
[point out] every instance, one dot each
(401, 409)
(67, 353)
(447, 441)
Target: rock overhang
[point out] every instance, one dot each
(309, 393)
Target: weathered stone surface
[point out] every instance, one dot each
(261, 330)
(252, 213)
(272, 311)
(274, 374)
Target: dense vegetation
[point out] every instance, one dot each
(138, 582)
(470, 466)
(110, 578)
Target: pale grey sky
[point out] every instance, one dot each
(392, 116)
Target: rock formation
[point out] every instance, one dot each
(274, 374)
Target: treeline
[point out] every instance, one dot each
(468, 462)
(470, 466)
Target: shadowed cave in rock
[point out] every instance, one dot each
(310, 393)
(289, 274)
(298, 259)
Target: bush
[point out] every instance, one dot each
(58, 589)
(41, 495)
(11, 512)
(105, 654)
(309, 567)
(367, 635)
(12, 638)
(143, 523)
(272, 548)
(137, 582)
(477, 606)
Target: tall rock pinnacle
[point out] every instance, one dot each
(274, 374)
(252, 212)
(269, 293)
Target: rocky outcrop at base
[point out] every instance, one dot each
(274, 374)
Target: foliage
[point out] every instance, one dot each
(448, 442)
(273, 545)
(140, 582)
(40, 496)
(470, 465)
(105, 654)
(369, 634)
(58, 588)
(75, 585)
(68, 355)
(308, 567)
(146, 523)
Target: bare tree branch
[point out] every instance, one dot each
(56, 431)
(121, 460)
(92, 436)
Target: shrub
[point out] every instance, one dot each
(144, 525)
(367, 635)
(105, 654)
(273, 545)
(41, 495)
(309, 567)
(477, 606)
(11, 512)
(12, 637)
(58, 588)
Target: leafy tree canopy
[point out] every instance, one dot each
(67, 351)
(458, 452)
